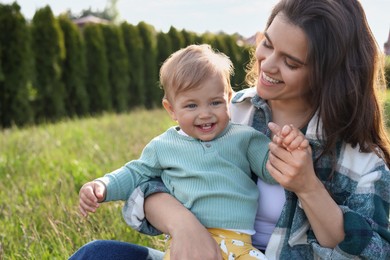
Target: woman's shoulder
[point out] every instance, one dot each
(241, 107)
(243, 95)
(352, 159)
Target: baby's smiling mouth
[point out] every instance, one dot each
(206, 126)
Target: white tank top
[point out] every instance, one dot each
(271, 201)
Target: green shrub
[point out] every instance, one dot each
(49, 54)
(98, 85)
(387, 71)
(15, 72)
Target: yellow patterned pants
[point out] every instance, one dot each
(234, 245)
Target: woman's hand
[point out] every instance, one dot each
(290, 159)
(190, 239)
(294, 170)
(193, 242)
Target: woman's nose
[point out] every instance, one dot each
(269, 64)
(266, 59)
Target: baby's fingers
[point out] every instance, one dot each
(290, 134)
(87, 206)
(298, 142)
(276, 131)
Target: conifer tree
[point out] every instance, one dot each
(227, 44)
(152, 91)
(117, 66)
(177, 38)
(164, 47)
(134, 49)
(243, 59)
(74, 69)
(189, 37)
(49, 53)
(15, 69)
(97, 82)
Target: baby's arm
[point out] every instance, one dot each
(90, 195)
(289, 137)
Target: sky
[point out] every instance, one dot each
(245, 17)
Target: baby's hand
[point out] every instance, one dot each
(289, 137)
(90, 195)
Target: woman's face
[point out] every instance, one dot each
(282, 58)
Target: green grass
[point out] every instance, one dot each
(42, 169)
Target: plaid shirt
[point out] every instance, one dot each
(361, 186)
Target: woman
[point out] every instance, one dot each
(316, 68)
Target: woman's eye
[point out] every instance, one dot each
(291, 66)
(266, 44)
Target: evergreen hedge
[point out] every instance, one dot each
(117, 67)
(49, 54)
(134, 49)
(51, 69)
(15, 69)
(74, 69)
(153, 94)
(97, 83)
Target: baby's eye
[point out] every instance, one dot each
(216, 103)
(191, 106)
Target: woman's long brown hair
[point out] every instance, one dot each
(346, 72)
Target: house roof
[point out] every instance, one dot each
(90, 19)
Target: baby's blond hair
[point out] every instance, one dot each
(188, 67)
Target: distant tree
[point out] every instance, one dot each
(109, 13)
(164, 47)
(177, 38)
(135, 49)
(2, 77)
(117, 66)
(228, 44)
(220, 44)
(49, 54)
(112, 10)
(208, 38)
(243, 61)
(15, 69)
(74, 69)
(189, 37)
(387, 71)
(98, 86)
(152, 92)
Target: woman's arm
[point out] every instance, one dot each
(294, 171)
(190, 239)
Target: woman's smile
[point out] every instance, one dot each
(270, 80)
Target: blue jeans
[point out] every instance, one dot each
(116, 250)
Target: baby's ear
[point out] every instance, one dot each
(230, 95)
(169, 108)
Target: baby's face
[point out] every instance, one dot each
(203, 112)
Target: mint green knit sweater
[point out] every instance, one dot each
(212, 179)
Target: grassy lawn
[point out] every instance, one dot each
(42, 169)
